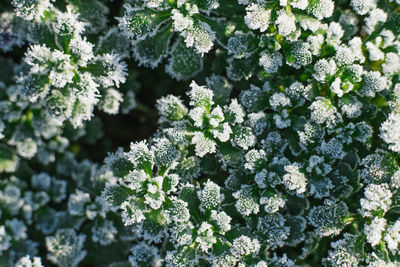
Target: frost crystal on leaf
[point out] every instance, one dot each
(244, 246)
(65, 247)
(270, 61)
(289, 160)
(257, 17)
(286, 23)
(374, 230)
(390, 131)
(294, 179)
(377, 198)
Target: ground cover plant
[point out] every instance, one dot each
(199, 133)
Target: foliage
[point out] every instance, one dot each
(276, 143)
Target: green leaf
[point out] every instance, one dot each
(293, 140)
(7, 74)
(352, 158)
(111, 41)
(189, 195)
(393, 23)
(151, 50)
(170, 182)
(220, 27)
(93, 131)
(92, 11)
(47, 220)
(242, 68)
(137, 23)
(116, 194)
(297, 226)
(208, 164)
(121, 167)
(8, 159)
(353, 176)
(184, 61)
(297, 205)
(221, 88)
(230, 155)
(59, 104)
(42, 34)
(207, 5)
(154, 223)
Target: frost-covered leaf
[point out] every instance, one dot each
(184, 62)
(153, 48)
(137, 23)
(8, 159)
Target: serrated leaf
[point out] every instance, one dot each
(116, 194)
(121, 167)
(92, 11)
(230, 155)
(137, 23)
(154, 223)
(189, 195)
(184, 61)
(221, 28)
(297, 226)
(353, 176)
(221, 88)
(352, 158)
(241, 68)
(42, 34)
(151, 50)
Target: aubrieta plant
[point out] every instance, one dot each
(283, 149)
